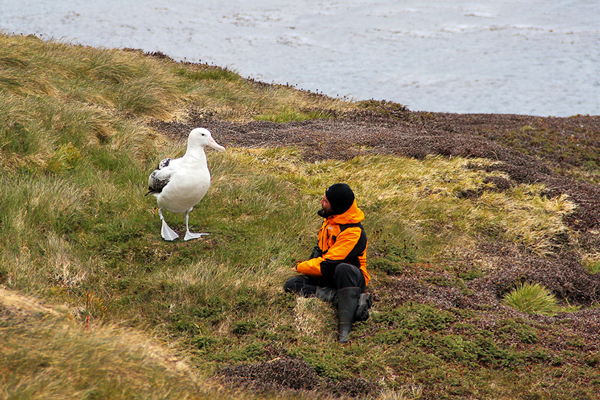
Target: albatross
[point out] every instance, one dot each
(179, 184)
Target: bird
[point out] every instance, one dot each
(179, 184)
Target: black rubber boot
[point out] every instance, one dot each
(347, 305)
(328, 294)
(364, 304)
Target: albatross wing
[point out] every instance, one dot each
(160, 177)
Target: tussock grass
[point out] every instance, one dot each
(77, 229)
(592, 263)
(534, 298)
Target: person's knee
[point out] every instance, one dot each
(348, 275)
(344, 269)
(289, 286)
(293, 285)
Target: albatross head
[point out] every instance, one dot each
(201, 137)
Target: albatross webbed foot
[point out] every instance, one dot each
(166, 232)
(189, 235)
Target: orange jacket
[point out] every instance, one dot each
(340, 243)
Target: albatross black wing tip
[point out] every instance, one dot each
(164, 163)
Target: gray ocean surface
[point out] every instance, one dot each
(534, 57)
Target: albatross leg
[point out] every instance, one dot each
(189, 235)
(166, 232)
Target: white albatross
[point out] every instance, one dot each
(179, 184)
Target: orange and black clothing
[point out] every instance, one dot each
(341, 259)
(337, 270)
(341, 239)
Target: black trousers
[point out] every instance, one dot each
(346, 275)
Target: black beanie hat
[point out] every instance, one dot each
(340, 196)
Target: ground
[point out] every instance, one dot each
(531, 150)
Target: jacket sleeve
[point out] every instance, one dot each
(344, 245)
(311, 267)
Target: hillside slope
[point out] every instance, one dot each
(461, 211)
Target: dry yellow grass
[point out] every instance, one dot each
(314, 319)
(426, 194)
(47, 354)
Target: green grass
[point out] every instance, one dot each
(293, 115)
(77, 230)
(534, 299)
(592, 263)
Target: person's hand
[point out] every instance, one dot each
(295, 267)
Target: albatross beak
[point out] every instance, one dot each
(215, 145)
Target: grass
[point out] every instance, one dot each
(77, 230)
(592, 263)
(54, 361)
(534, 299)
(45, 355)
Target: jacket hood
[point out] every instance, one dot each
(352, 216)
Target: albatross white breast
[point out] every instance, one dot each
(179, 184)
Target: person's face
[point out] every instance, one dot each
(325, 204)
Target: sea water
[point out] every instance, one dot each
(535, 57)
